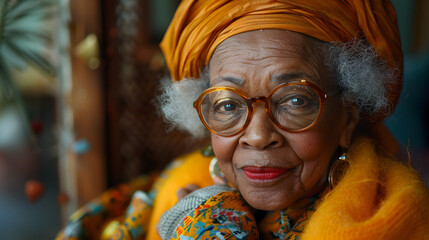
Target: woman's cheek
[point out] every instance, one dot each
(307, 145)
(224, 150)
(321, 141)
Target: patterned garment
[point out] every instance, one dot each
(136, 220)
(281, 224)
(220, 212)
(223, 216)
(289, 223)
(124, 213)
(400, 212)
(119, 213)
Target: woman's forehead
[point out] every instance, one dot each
(260, 44)
(275, 54)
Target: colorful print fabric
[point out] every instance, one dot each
(224, 216)
(124, 213)
(119, 213)
(281, 224)
(227, 216)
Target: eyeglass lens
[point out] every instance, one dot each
(293, 107)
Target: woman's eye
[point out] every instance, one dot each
(226, 106)
(229, 107)
(296, 105)
(296, 101)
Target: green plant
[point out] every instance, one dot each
(23, 40)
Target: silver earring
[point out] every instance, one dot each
(215, 170)
(337, 170)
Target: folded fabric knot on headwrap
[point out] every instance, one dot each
(199, 26)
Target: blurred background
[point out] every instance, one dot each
(77, 109)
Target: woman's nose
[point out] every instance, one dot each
(261, 132)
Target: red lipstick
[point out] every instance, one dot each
(263, 173)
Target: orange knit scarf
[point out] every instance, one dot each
(378, 198)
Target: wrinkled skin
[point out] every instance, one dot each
(253, 60)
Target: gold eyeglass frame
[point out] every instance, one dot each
(267, 99)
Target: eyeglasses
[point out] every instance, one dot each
(293, 107)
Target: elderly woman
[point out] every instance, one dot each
(296, 89)
(292, 93)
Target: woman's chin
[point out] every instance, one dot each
(275, 194)
(267, 206)
(269, 200)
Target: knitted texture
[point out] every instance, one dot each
(171, 219)
(193, 168)
(378, 198)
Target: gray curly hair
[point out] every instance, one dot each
(359, 74)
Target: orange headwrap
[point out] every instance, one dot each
(199, 26)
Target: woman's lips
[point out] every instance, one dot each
(263, 173)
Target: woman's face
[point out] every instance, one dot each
(295, 164)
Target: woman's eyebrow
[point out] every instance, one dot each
(236, 81)
(287, 77)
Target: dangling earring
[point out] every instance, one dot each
(337, 170)
(215, 170)
(207, 151)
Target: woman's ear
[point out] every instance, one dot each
(352, 121)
